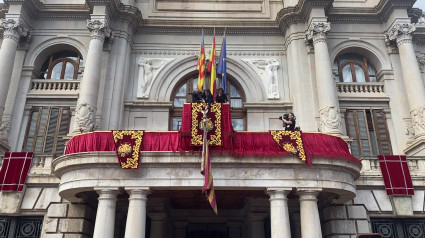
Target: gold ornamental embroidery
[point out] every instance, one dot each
(294, 135)
(214, 139)
(137, 136)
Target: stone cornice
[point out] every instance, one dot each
(377, 14)
(36, 9)
(189, 52)
(299, 13)
(210, 31)
(130, 14)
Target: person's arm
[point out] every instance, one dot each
(287, 122)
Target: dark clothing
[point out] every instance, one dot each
(209, 99)
(221, 99)
(197, 97)
(290, 127)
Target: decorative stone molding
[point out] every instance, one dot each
(196, 52)
(421, 59)
(148, 72)
(317, 32)
(330, 119)
(401, 33)
(267, 70)
(99, 29)
(418, 120)
(421, 20)
(408, 128)
(14, 29)
(4, 129)
(85, 117)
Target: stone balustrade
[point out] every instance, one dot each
(44, 86)
(41, 164)
(370, 166)
(360, 88)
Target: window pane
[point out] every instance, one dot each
(182, 91)
(234, 92)
(63, 131)
(237, 124)
(195, 84)
(39, 145)
(69, 71)
(56, 71)
(373, 142)
(346, 73)
(236, 103)
(360, 76)
(365, 147)
(355, 148)
(176, 124)
(178, 102)
(33, 124)
(28, 147)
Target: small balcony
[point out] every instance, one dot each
(47, 87)
(361, 90)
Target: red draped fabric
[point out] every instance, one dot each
(14, 170)
(395, 172)
(240, 144)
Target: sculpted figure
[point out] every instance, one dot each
(270, 80)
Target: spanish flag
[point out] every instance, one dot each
(211, 68)
(201, 64)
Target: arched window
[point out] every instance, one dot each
(354, 68)
(181, 95)
(62, 65)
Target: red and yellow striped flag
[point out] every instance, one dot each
(208, 188)
(212, 69)
(201, 65)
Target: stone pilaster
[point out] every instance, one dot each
(136, 217)
(85, 116)
(105, 215)
(330, 119)
(310, 220)
(13, 30)
(279, 215)
(401, 33)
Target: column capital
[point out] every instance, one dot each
(140, 193)
(99, 29)
(14, 29)
(107, 193)
(278, 193)
(317, 31)
(308, 194)
(401, 33)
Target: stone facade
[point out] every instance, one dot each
(282, 56)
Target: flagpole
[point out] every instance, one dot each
(205, 140)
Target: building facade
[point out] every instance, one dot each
(354, 69)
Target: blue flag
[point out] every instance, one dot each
(221, 67)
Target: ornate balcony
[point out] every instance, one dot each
(45, 87)
(360, 90)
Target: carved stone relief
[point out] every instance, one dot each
(14, 29)
(85, 117)
(317, 32)
(148, 72)
(400, 32)
(408, 128)
(99, 29)
(4, 129)
(418, 120)
(330, 120)
(267, 70)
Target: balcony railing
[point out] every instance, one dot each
(40, 164)
(370, 166)
(47, 86)
(360, 88)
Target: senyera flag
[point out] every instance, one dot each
(208, 188)
(201, 64)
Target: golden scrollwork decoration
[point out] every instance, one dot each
(293, 135)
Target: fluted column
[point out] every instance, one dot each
(330, 119)
(85, 117)
(402, 34)
(310, 220)
(279, 215)
(13, 30)
(105, 216)
(136, 217)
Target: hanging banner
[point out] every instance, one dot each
(214, 135)
(291, 142)
(128, 147)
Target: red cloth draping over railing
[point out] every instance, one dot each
(14, 170)
(243, 144)
(395, 172)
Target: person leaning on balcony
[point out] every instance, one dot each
(208, 97)
(289, 121)
(221, 96)
(197, 96)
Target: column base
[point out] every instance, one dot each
(416, 147)
(4, 147)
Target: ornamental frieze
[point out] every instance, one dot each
(196, 52)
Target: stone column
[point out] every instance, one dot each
(330, 119)
(402, 34)
(85, 117)
(257, 225)
(136, 217)
(310, 220)
(13, 30)
(105, 216)
(158, 224)
(279, 215)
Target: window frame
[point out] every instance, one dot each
(364, 67)
(56, 134)
(52, 63)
